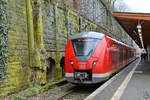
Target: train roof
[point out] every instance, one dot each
(88, 35)
(95, 35)
(120, 42)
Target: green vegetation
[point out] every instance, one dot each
(35, 90)
(3, 39)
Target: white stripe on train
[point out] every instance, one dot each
(93, 75)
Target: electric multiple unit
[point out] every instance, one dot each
(92, 57)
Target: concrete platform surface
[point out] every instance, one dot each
(139, 86)
(132, 83)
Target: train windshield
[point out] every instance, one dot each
(84, 46)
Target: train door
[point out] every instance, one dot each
(114, 56)
(110, 54)
(124, 54)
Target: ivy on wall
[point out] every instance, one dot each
(3, 39)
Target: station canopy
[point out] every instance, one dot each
(130, 21)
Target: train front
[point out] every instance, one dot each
(82, 58)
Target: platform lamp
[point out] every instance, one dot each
(139, 27)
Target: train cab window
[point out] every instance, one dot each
(84, 46)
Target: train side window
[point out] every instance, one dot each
(110, 50)
(118, 54)
(115, 55)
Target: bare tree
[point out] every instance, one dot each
(121, 6)
(110, 3)
(116, 5)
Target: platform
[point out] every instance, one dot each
(132, 83)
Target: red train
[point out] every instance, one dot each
(92, 57)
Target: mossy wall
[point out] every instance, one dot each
(17, 69)
(61, 19)
(39, 29)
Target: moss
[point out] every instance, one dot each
(6, 90)
(48, 85)
(57, 72)
(73, 17)
(18, 97)
(36, 59)
(35, 90)
(3, 40)
(17, 72)
(27, 93)
(30, 31)
(39, 43)
(38, 27)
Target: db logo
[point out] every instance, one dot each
(82, 66)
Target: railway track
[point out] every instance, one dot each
(65, 91)
(65, 94)
(78, 93)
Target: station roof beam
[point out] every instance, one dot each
(131, 23)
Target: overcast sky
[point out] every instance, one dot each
(142, 6)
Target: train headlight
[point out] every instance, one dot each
(94, 63)
(71, 62)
